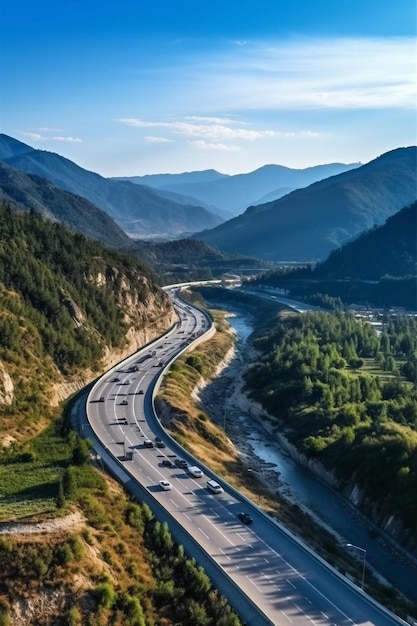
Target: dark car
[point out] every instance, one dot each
(140, 392)
(182, 463)
(167, 463)
(115, 380)
(160, 444)
(245, 518)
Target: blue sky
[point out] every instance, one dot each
(138, 87)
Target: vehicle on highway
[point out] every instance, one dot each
(167, 463)
(245, 518)
(148, 443)
(165, 485)
(115, 380)
(214, 487)
(140, 392)
(159, 443)
(182, 463)
(123, 402)
(127, 382)
(195, 471)
(101, 399)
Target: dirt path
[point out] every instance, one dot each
(72, 521)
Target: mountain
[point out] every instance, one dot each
(379, 267)
(307, 224)
(138, 210)
(28, 191)
(235, 193)
(387, 250)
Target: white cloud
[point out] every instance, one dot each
(201, 144)
(37, 136)
(155, 139)
(210, 131)
(307, 74)
(70, 139)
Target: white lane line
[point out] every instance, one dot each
(290, 583)
(254, 584)
(187, 516)
(203, 533)
(286, 616)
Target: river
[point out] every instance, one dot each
(296, 483)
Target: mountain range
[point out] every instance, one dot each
(303, 225)
(137, 209)
(231, 195)
(307, 224)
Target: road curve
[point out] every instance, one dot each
(268, 575)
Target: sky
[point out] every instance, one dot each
(135, 87)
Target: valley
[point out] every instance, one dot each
(73, 307)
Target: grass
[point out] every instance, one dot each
(30, 474)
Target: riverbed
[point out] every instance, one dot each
(226, 403)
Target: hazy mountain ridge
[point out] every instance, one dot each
(379, 267)
(309, 223)
(138, 210)
(235, 193)
(390, 249)
(29, 191)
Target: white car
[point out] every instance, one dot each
(194, 471)
(165, 485)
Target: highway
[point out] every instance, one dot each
(281, 579)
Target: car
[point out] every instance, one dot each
(115, 380)
(167, 463)
(195, 471)
(160, 444)
(182, 463)
(214, 486)
(127, 382)
(123, 402)
(140, 392)
(165, 485)
(245, 518)
(148, 443)
(101, 399)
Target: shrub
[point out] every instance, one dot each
(105, 595)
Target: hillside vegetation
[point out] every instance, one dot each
(66, 302)
(31, 192)
(379, 267)
(347, 397)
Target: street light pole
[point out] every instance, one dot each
(351, 545)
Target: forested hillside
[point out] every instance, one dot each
(378, 268)
(183, 260)
(66, 301)
(31, 192)
(348, 397)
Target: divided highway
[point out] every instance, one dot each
(272, 578)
